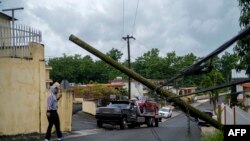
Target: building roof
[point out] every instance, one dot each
(116, 84)
(246, 85)
(239, 74)
(188, 88)
(7, 16)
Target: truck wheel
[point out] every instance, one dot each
(99, 123)
(150, 122)
(131, 125)
(123, 123)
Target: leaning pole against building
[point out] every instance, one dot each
(182, 104)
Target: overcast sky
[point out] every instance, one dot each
(183, 26)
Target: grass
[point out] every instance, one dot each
(216, 136)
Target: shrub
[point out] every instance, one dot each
(217, 136)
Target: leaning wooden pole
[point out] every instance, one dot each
(182, 104)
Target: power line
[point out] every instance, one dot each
(135, 16)
(198, 64)
(123, 18)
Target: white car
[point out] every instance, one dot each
(165, 112)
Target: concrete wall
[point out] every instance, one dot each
(65, 106)
(22, 90)
(89, 107)
(24, 95)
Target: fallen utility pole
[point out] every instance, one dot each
(185, 107)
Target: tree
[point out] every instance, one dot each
(150, 65)
(227, 63)
(213, 78)
(242, 48)
(112, 73)
(115, 54)
(65, 67)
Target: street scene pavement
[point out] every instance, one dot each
(84, 128)
(178, 127)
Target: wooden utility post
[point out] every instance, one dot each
(187, 108)
(129, 65)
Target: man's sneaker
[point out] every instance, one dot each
(46, 140)
(60, 139)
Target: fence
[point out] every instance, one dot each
(14, 41)
(19, 35)
(234, 115)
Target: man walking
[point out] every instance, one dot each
(52, 114)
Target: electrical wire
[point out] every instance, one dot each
(135, 16)
(123, 18)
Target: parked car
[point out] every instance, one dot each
(202, 122)
(165, 112)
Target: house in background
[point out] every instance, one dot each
(137, 89)
(5, 21)
(239, 76)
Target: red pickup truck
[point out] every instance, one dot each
(147, 105)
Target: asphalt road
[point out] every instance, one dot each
(173, 129)
(76, 108)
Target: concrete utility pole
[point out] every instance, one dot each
(179, 102)
(129, 66)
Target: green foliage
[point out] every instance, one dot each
(149, 65)
(80, 69)
(227, 63)
(242, 47)
(217, 136)
(115, 54)
(97, 91)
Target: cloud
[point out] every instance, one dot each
(194, 26)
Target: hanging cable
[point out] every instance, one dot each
(135, 16)
(122, 17)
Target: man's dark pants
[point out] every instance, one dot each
(53, 120)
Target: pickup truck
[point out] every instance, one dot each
(125, 114)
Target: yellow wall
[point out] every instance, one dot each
(20, 91)
(24, 95)
(89, 107)
(65, 106)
